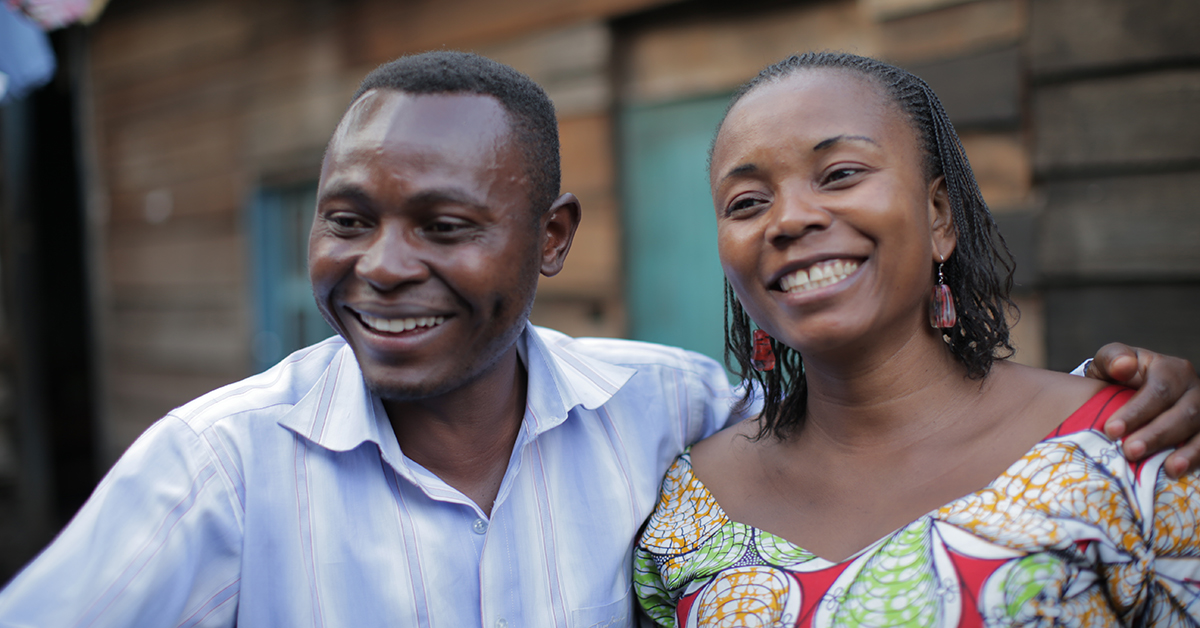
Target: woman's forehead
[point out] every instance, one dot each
(811, 93)
(812, 103)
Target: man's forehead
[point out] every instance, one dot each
(441, 120)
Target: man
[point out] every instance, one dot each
(441, 462)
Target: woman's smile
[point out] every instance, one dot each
(820, 275)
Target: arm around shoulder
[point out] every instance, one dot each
(158, 543)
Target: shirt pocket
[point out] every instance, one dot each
(618, 614)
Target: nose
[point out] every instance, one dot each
(392, 259)
(795, 213)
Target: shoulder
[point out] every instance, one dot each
(726, 449)
(631, 353)
(276, 390)
(1045, 400)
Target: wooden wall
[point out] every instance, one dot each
(1115, 95)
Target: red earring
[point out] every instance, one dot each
(764, 356)
(941, 304)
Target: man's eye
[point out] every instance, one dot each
(743, 203)
(343, 221)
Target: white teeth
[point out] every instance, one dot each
(396, 325)
(819, 275)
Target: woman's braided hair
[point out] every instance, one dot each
(979, 272)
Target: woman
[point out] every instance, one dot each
(900, 473)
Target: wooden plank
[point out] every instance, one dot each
(1132, 227)
(580, 317)
(384, 30)
(138, 397)
(977, 90)
(892, 9)
(162, 37)
(571, 64)
(953, 31)
(1028, 334)
(1073, 35)
(297, 120)
(183, 145)
(679, 60)
(133, 297)
(212, 259)
(221, 193)
(1136, 120)
(220, 81)
(593, 265)
(587, 154)
(1020, 231)
(1158, 317)
(180, 340)
(1002, 167)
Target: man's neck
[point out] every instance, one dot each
(466, 436)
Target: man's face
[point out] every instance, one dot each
(424, 253)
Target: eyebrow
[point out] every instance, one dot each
(826, 143)
(822, 145)
(348, 192)
(739, 170)
(353, 192)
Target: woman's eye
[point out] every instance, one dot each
(446, 227)
(840, 174)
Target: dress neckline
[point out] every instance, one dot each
(1093, 412)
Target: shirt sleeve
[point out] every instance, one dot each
(713, 404)
(1081, 370)
(157, 544)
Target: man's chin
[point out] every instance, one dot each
(408, 391)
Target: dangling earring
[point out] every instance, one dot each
(941, 304)
(764, 356)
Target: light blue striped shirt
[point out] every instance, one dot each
(284, 500)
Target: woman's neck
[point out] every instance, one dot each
(887, 396)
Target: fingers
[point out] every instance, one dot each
(1184, 460)
(1161, 382)
(1118, 363)
(1178, 425)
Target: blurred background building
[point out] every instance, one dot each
(155, 196)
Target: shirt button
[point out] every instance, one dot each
(480, 527)
(501, 623)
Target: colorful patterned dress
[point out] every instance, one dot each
(1070, 535)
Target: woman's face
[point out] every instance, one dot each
(827, 225)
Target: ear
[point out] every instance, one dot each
(558, 226)
(941, 220)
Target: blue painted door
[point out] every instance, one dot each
(673, 276)
(286, 315)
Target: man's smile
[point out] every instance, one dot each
(396, 325)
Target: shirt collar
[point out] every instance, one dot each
(561, 379)
(339, 413)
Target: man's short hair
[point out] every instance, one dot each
(531, 114)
